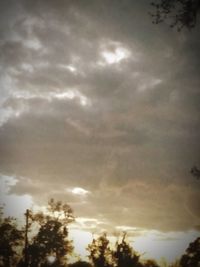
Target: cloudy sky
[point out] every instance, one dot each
(100, 108)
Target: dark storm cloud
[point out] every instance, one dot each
(95, 96)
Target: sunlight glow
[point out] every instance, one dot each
(81, 240)
(159, 245)
(51, 259)
(113, 57)
(148, 243)
(71, 68)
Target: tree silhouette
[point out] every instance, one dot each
(51, 241)
(100, 252)
(195, 172)
(51, 244)
(192, 256)
(124, 255)
(150, 263)
(10, 241)
(80, 263)
(175, 264)
(179, 13)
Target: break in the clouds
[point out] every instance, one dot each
(100, 108)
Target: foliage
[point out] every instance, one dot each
(179, 13)
(192, 256)
(10, 241)
(195, 172)
(175, 264)
(150, 263)
(80, 264)
(124, 255)
(55, 210)
(50, 244)
(51, 240)
(100, 252)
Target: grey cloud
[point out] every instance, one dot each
(136, 128)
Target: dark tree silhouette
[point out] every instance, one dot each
(150, 263)
(124, 255)
(100, 252)
(175, 264)
(192, 256)
(195, 172)
(51, 244)
(80, 264)
(51, 241)
(179, 13)
(10, 241)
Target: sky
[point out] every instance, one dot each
(100, 108)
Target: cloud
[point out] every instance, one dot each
(7, 199)
(79, 191)
(104, 104)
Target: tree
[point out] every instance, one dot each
(192, 256)
(124, 255)
(179, 13)
(100, 252)
(195, 172)
(150, 263)
(10, 241)
(80, 264)
(51, 244)
(175, 264)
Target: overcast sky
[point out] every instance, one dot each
(100, 108)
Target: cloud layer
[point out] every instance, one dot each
(95, 97)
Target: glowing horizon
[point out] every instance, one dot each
(149, 243)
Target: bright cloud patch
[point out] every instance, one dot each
(126, 228)
(68, 94)
(90, 224)
(72, 94)
(116, 56)
(71, 68)
(79, 191)
(113, 53)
